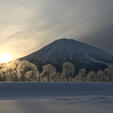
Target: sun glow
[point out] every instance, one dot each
(5, 57)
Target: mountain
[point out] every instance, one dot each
(80, 54)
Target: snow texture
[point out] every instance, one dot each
(56, 97)
(69, 49)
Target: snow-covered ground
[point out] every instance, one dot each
(56, 97)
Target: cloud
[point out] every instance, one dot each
(101, 39)
(43, 21)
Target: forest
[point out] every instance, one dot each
(25, 71)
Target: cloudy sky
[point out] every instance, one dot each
(28, 25)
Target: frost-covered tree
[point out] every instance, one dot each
(91, 77)
(28, 71)
(11, 71)
(8, 71)
(82, 74)
(49, 72)
(2, 76)
(101, 76)
(109, 72)
(2, 72)
(68, 70)
(18, 70)
(57, 77)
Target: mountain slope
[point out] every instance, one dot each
(81, 54)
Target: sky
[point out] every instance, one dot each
(28, 25)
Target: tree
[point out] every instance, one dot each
(101, 77)
(2, 72)
(68, 70)
(2, 76)
(49, 72)
(91, 77)
(11, 70)
(8, 71)
(109, 72)
(28, 71)
(57, 77)
(82, 74)
(18, 70)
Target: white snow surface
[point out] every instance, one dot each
(56, 97)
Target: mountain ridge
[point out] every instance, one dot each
(64, 49)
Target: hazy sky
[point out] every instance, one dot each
(28, 25)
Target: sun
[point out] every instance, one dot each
(5, 57)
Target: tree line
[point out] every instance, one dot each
(25, 71)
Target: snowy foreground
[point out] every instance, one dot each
(56, 97)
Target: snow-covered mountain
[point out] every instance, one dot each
(81, 54)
